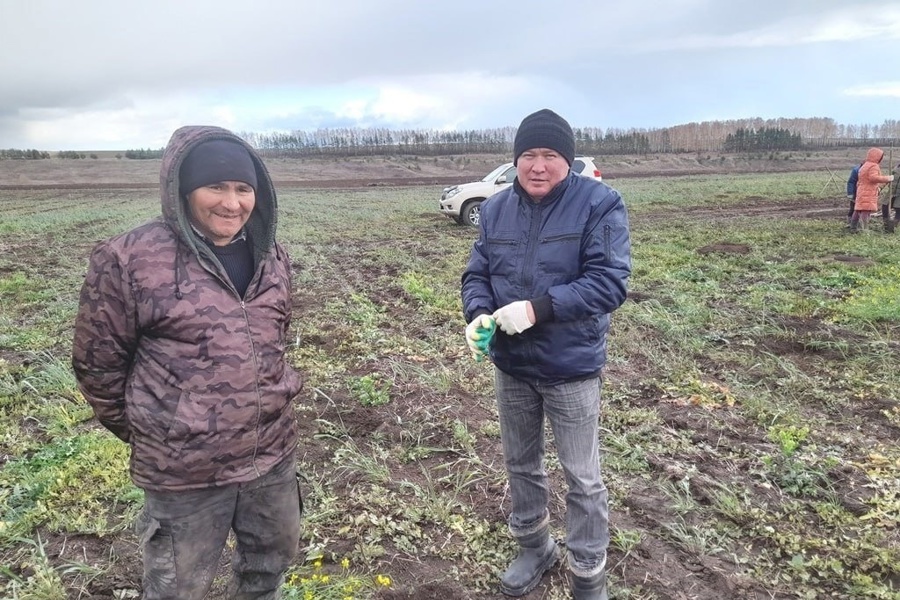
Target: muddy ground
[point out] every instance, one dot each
(655, 565)
(404, 170)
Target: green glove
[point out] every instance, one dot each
(479, 334)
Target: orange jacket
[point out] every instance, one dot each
(870, 179)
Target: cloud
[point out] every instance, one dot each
(842, 25)
(890, 89)
(463, 100)
(114, 75)
(448, 101)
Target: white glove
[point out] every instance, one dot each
(513, 318)
(890, 178)
(849, 197)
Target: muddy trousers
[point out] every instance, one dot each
(182, 535)
(860, 219)
(573, 410)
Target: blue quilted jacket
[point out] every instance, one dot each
(572, 247)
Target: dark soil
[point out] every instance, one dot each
(656, 565)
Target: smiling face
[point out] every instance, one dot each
(539, 170)
(219, 210)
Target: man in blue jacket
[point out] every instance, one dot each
(549, 267)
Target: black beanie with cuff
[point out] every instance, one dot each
(215, 161)
(545, 129)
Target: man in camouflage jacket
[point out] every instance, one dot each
(179, 348)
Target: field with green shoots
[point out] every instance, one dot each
(750, 423)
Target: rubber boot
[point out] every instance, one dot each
(889, 225)
(537, 553)
(589, 588)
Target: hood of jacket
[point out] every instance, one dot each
(874, 155)
(260, 226)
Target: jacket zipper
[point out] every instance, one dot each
(227, 282)
(534, 230)
(255, 385)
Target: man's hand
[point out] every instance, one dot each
(515, 317)
(478, 335)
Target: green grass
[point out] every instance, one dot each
(750, 406)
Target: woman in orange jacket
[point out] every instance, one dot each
(870, 182)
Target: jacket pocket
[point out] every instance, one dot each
(504, 256)
(559, 256)
(205, 423)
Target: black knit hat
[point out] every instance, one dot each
(545, 129)
(214, 161)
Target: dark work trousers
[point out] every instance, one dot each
(182, 535)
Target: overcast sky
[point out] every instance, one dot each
(116, 74)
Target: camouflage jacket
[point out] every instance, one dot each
(172, 359)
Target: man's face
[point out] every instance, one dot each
(539, 170)
(220, 210)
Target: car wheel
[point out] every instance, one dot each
(471, 213)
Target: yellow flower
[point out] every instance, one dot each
(383, 580)
(345, 563)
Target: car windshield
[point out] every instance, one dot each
(496, 173)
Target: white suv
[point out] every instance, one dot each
(462, 203)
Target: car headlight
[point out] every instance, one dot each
(451, 192)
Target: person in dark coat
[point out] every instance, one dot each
(891, 201)
(852, 180)
(550, 266)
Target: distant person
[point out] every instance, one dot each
(550, 265)
(180, 350)
(851, 191)
(891, 201)
(870, 181)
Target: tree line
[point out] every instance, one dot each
(31, 154)
(738, 135)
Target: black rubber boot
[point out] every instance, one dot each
(589, 588)
(889, 226)
(537, 553)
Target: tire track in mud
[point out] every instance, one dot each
(751, 206)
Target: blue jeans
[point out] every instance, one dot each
(573, 410)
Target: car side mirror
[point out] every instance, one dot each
(501, 179)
